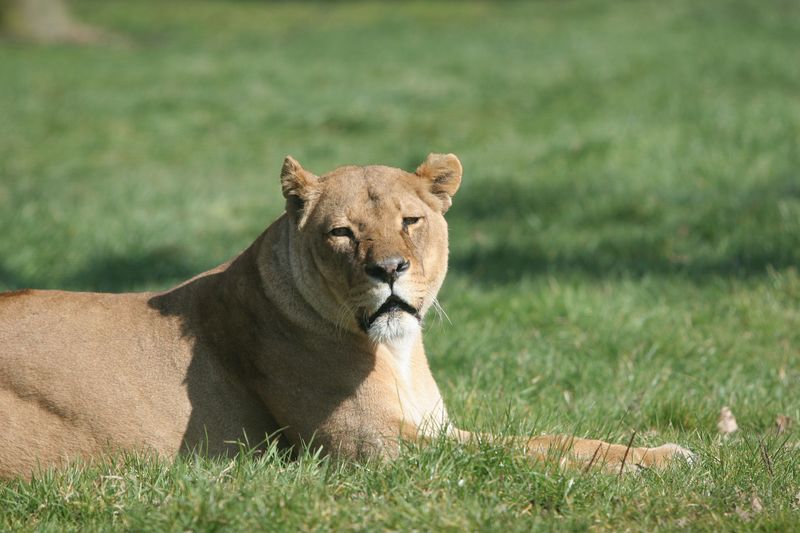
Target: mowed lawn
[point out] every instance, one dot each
(624, 247)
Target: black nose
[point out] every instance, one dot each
(387, 270)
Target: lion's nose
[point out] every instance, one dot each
(387, 270)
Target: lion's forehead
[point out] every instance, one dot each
(363, 192)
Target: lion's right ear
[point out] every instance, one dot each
(443, 171)
(300, 188)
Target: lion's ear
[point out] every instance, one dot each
(444, 174)
(300, 188)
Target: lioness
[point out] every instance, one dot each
(311, 335)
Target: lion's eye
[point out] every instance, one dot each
(410, 221)
(341, 232)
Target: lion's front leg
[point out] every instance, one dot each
(615, 457)
(588, 453)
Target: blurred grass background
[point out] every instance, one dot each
(624, 247)
(638, 138)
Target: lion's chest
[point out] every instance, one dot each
(408, 384)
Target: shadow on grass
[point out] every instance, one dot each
(118, 272)
(507, 264)
(516, 231)
(162, 267)
(10, 280)
(503, 233)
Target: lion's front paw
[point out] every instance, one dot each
(662, 455)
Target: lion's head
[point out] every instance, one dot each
(368, 245)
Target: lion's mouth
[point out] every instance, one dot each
(392, 304)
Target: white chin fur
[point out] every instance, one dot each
(393, 326)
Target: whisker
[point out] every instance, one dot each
(440, 310)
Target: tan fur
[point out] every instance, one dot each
(284, 340)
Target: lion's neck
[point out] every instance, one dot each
(402, 350)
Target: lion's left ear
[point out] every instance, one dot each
(300, 188)
(444, 173)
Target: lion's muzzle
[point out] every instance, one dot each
(393, 304)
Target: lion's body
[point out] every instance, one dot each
(311, 335)
(85, 373)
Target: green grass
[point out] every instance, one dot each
(624, 247)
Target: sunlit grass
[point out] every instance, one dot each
(624, 246)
